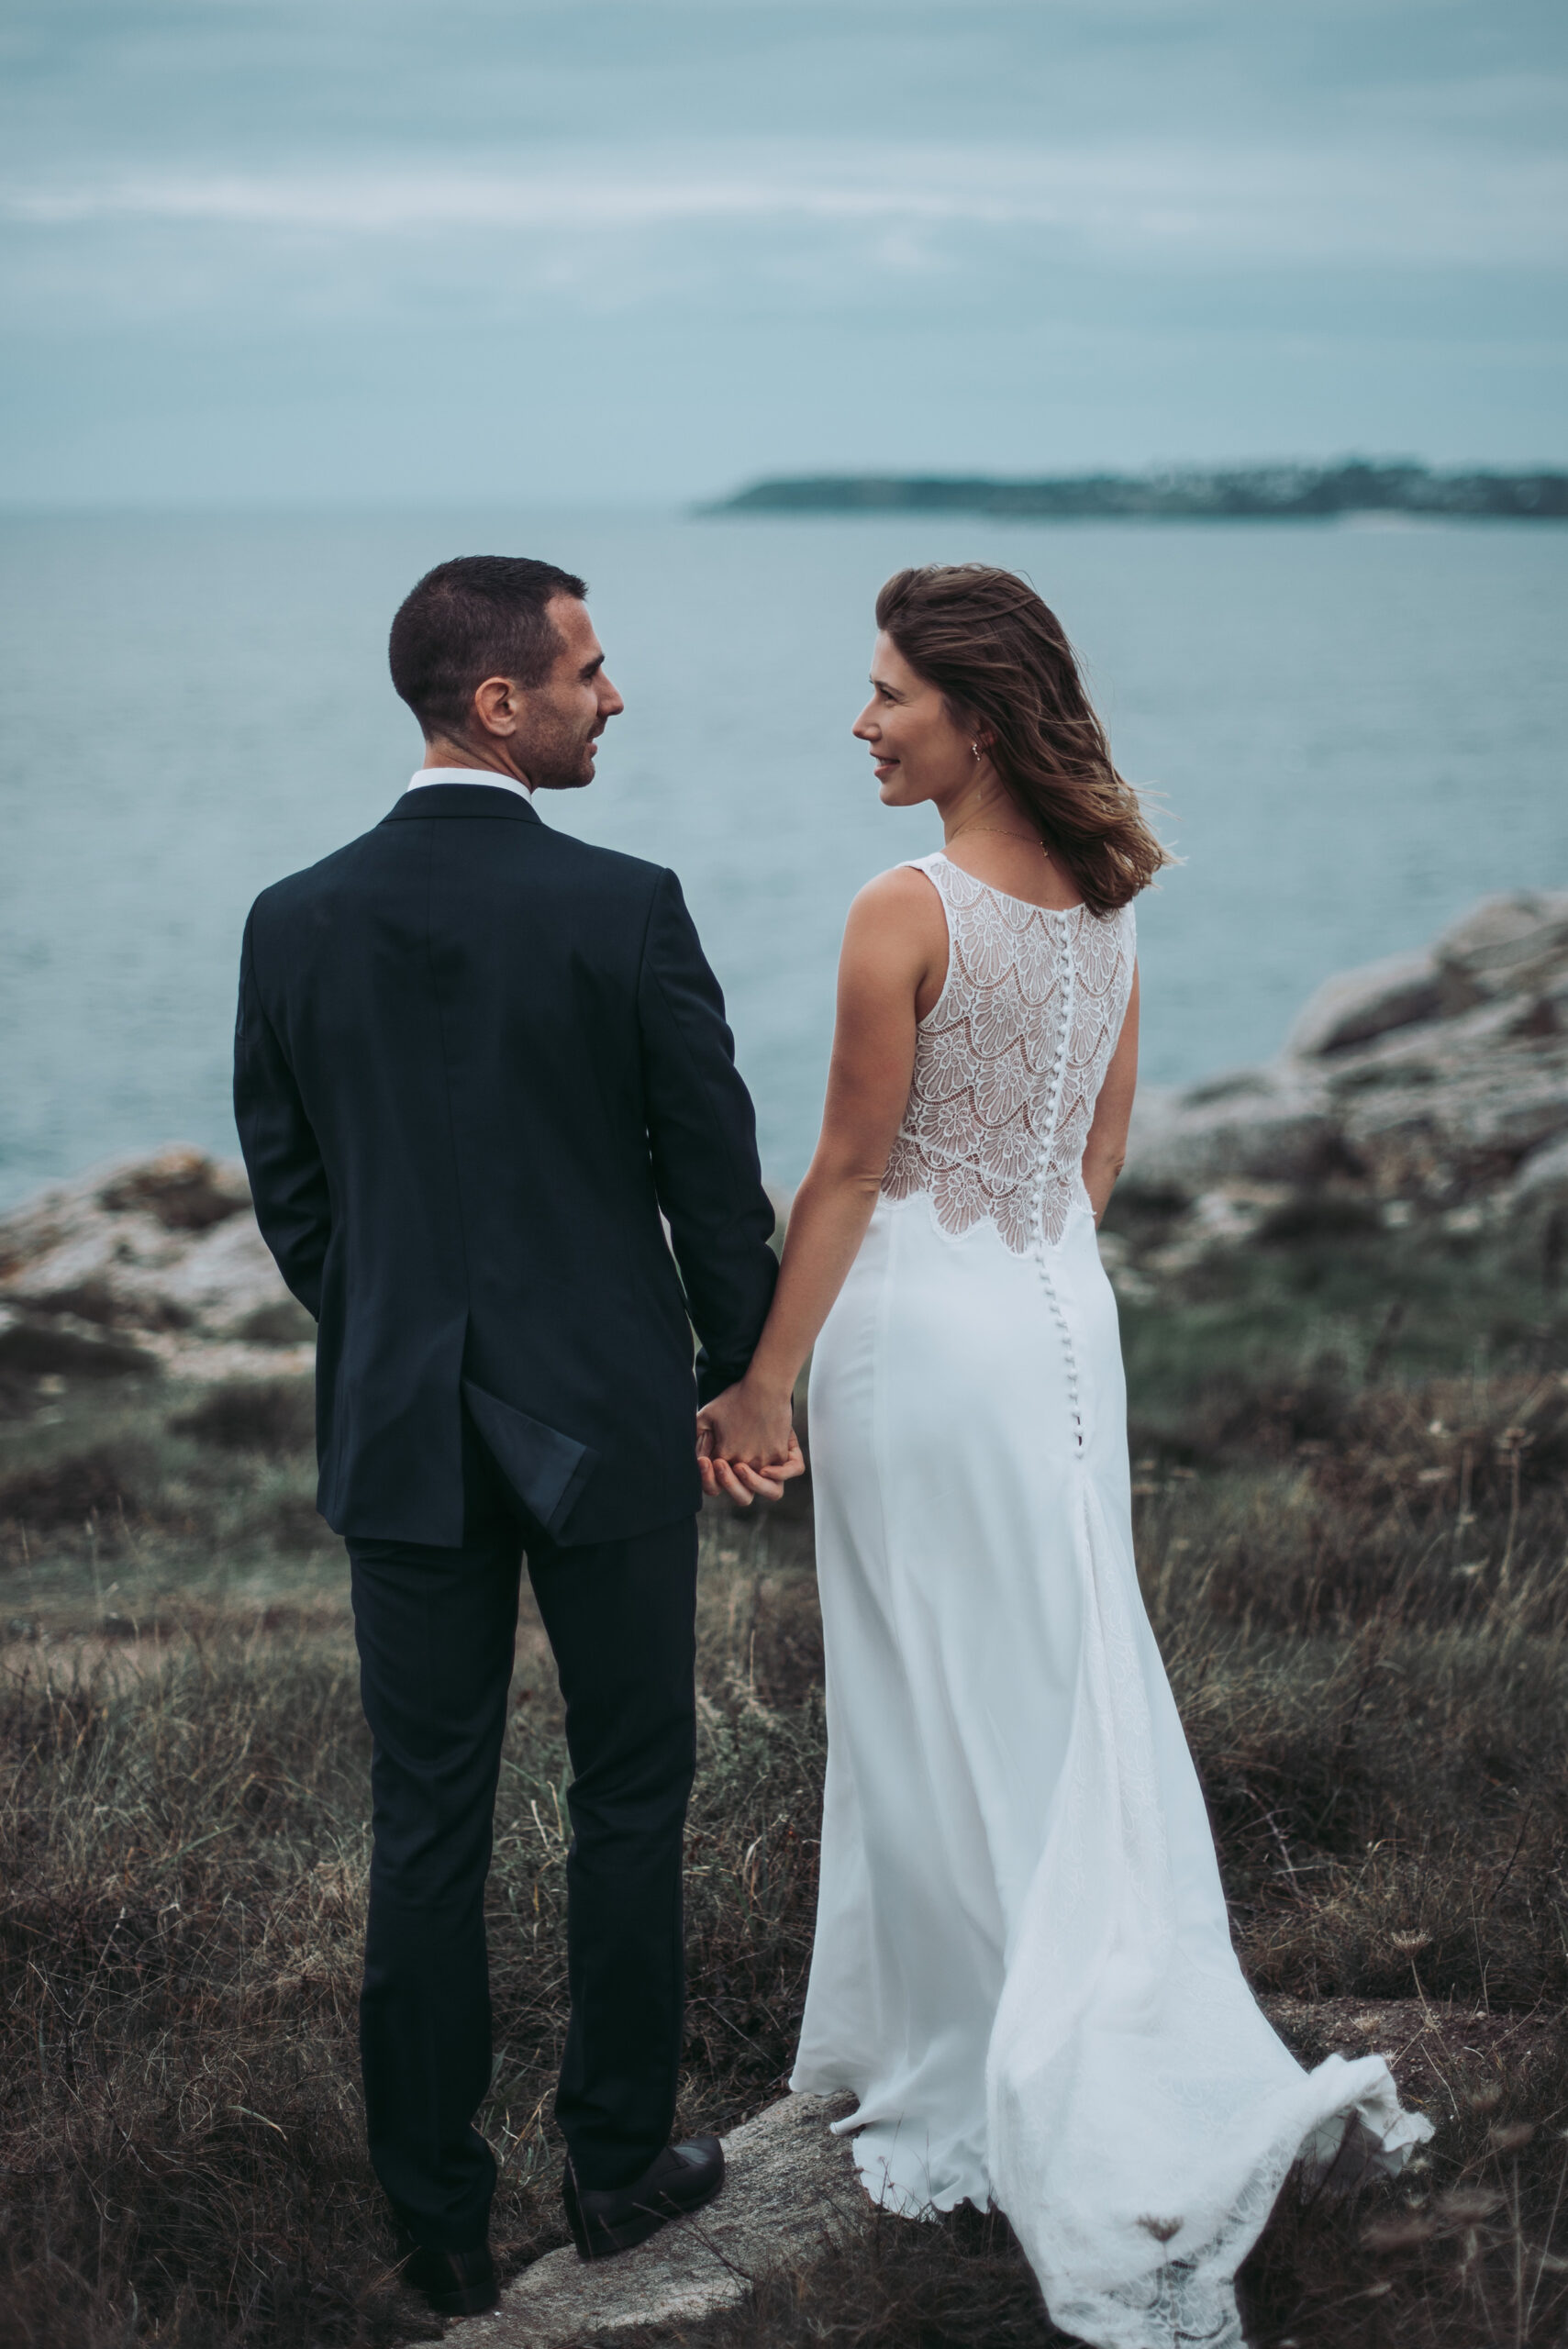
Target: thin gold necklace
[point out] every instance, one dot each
(999, 832)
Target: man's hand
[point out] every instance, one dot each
(746, 1445)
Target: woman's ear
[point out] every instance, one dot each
(974, 727)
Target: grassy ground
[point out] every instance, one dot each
(1352, 1515)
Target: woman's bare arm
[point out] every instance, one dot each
(893, 962)
(1104, 1153)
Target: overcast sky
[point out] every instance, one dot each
(416, 250)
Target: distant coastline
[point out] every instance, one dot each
(1185, 494)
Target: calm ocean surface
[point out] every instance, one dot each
(1358, 730)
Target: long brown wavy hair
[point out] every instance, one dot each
(1003, 664)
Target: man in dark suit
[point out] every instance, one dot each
(475, 1061)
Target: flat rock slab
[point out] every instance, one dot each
(790, 2194)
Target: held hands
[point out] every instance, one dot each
(747, 1444)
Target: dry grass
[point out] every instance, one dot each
(1361, 1588)
(183, 1850)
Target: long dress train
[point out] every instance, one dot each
(1023, 1962)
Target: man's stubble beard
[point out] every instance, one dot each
(552, 764)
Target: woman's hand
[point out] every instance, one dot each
(747, 1444)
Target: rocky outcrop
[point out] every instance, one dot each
(1355, 1005)
(1435, 1081)
(147, 1264)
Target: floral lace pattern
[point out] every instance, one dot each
(1009, 1061)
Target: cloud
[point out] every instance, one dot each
(683, 239)
(1307, 204)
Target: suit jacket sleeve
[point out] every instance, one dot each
(288, 1180)
(702, 1135)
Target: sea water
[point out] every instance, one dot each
(1357, 731)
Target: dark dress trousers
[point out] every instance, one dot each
(475, 1062)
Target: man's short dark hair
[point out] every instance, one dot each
(478, 615)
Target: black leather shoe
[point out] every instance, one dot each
(606, 2220)
(455, 2283)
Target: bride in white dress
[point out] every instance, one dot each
(1023, 1964)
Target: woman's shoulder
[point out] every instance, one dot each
(903, 888)
(897, 913)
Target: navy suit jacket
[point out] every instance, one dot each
(474, 1059)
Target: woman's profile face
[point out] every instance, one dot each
(917, 751)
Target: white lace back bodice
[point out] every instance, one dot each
(1009, 1059)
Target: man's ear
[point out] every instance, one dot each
(496, 706)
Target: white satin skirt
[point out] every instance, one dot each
(1023, 1964)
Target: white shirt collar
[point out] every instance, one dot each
(470, 775)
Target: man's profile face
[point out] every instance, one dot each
(563, 717)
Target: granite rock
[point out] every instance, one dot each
(1512, 944)
(1263, 1125)
(1434, 1078)
(153, 1260)
(1538, 1192)
(1355, 1005)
